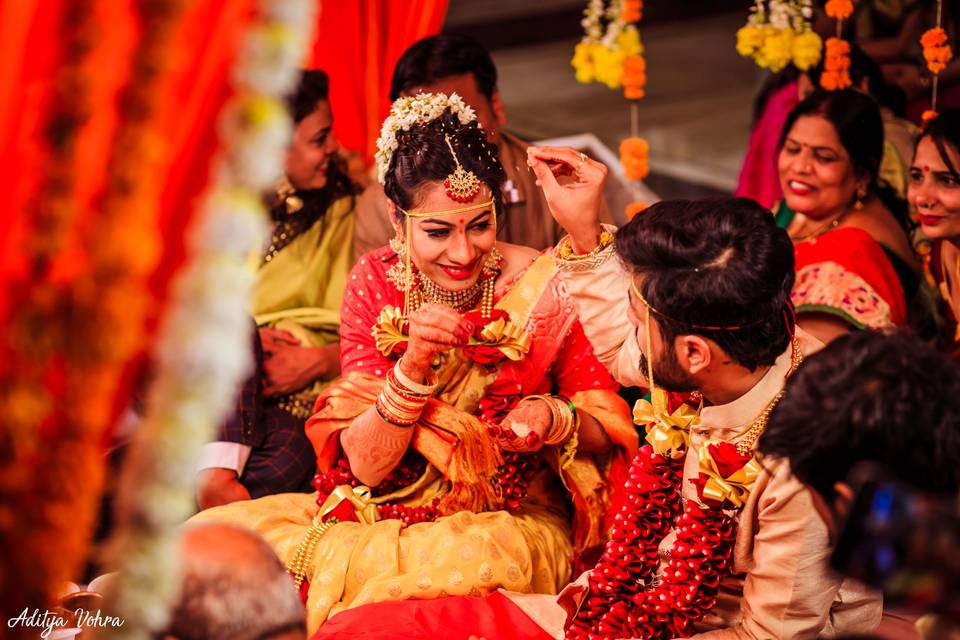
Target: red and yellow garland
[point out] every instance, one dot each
(627, 597)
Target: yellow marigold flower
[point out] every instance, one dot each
(806, 50)
(749, 39)
(777, 50)
(629, 42)
(608, 64)
(583, 63)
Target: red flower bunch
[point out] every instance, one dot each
(936, 51)
(484, 354)
(499, 399)
(836, 65)
(728, 460)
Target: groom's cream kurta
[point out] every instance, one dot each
(781, 586)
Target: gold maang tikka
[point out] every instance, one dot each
(461, 186)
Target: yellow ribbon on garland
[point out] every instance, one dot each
(359, 497)
(509, 339)
(506, 337)
(667, 434)
(734, 489)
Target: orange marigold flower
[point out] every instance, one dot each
(935, 37)
(634, 77)
(936, 51)
(634, 208)
(632, 10)
(634, 157)
(836, 65)
(839, 9)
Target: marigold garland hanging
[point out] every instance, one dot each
(609, 39)
(937, 54)
(836, 65)
(777, 33)
(202, 348)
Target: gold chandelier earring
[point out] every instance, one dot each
(858, 202)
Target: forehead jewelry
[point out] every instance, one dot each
(461, 185)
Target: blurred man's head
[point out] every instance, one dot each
(234, 587)
(452, 64)
(867, 397)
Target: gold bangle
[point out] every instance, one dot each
(413, 387)
(565, 250)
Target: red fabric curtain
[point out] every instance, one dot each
(358, 44)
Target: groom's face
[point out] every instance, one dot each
(668, 373)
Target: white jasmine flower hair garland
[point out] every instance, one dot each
(405, 113)
(202, 352)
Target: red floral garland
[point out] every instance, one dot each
(626, 598)
(513, 479)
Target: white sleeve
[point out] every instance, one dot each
(224, 455)
(599, 287)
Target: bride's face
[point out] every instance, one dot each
(450, 248)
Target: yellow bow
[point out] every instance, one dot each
(665, 433)
(388, 332)
(511, 340)
(359, 497)
(734, 489)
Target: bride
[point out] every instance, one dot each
(474, 438)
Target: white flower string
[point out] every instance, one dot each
(202, 351)
(410, 111)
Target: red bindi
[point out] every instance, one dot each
(926, 168)
(461, 220)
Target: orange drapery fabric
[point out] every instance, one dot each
(358, 45)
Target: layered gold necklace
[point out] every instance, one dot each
(745, 445)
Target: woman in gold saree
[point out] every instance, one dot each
(474, 434)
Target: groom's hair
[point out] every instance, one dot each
(718, 262)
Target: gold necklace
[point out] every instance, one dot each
(745, 445)
(461, 301)
(822, 229)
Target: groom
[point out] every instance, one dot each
(698, 294)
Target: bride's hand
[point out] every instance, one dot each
(433, 328)
(576, 204)
(524, 428)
